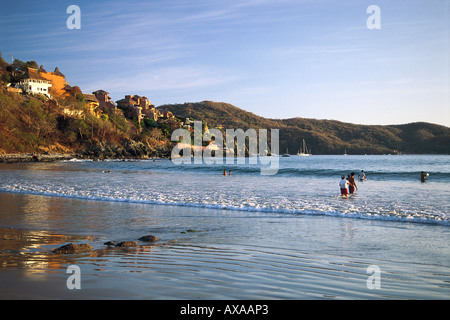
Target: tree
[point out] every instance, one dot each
(20, 66)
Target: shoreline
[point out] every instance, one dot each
(37, 157)
(53, 157)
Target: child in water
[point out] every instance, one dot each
(343, 185)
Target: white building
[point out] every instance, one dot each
(32, 82)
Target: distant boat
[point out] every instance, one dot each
(286, 154)
(304, 151)
(345, 152)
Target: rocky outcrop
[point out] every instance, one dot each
(31, 157)
(149, 238)
(126, 244)
(130, 149)
(74, 248)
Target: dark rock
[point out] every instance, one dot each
(125, 244)
(74, 248)
(149, 238)
(109, 243)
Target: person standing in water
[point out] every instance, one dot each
(352, 183)
(224, 172)
(362, 176)
(423, 176)
(343, 185)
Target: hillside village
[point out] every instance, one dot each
(54, 84)
(85, 121)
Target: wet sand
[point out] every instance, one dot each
(211, 254)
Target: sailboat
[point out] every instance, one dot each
(304, 151)
(286, 154)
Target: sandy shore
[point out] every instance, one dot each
(211, 254)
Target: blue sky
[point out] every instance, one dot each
(277, 59)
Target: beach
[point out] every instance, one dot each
(206, 254)
(208, 249)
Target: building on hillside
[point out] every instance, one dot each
(135, 106)
(51, 84)
(151, 113)
(167, 115)
(139, 107)
(58, 80)
(31, 81)
(134, 100)
(145, 103)
(92, 104)
(104, 100)
(131, 106)
(148, 109)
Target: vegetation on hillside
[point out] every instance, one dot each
(324, 136)
(36, 124)
(33, 123)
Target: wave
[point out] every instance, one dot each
(310, 172)
(256, 209)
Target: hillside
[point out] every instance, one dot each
(35, 124)
(324, 136)
(31, 123)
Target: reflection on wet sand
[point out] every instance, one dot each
(30, 250)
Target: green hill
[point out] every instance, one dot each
(324, 136)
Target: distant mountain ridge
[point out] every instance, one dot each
(324, 136)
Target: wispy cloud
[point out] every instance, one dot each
(259, 52)
(164, 79)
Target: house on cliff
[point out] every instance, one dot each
(39, 81)
(92, 104)
(139, 107)
(58, 81)
(104, 100)
(131, 106)
(31, 81)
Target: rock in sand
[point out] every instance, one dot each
(149, 238)
(74, 248)
(124, 244)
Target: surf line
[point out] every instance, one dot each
(187, 151)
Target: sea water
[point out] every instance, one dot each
(303, 185)
(244, 235)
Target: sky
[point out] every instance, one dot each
(279, 59)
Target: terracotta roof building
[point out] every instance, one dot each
(104, 100)
(58, 81)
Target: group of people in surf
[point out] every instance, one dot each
(348, 185)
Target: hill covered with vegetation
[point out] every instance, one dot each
(35, 124)
(324, 136)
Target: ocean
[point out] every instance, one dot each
(241, 236)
